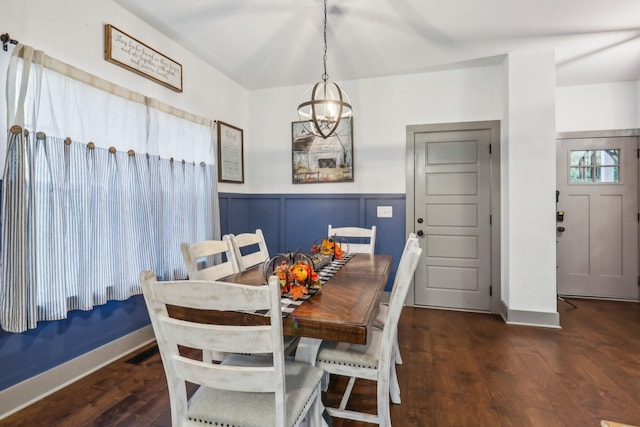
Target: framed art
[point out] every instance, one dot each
(230, 153)
(316, 160)
(123, 50)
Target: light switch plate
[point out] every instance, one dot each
(385, 211)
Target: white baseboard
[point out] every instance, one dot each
(35, 388)
(530, 318)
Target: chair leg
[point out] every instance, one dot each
(394, 387)
(396, 350)
(384, 413)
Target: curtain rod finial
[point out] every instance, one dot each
(6, 39)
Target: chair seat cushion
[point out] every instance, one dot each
(230, 408)
(362, 356)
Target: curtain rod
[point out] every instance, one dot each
(99, 83)
(6, 39)
(17, 130)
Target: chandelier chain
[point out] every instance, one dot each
(325, 76)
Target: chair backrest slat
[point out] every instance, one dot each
(241, 242)
(353, 237)
(212, 251)
(222, 338)
(232, 378)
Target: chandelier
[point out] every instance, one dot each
(324, 105)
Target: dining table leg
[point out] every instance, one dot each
(307, 352)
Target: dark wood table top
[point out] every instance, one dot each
(342, 311)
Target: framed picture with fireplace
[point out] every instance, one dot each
(317, 160)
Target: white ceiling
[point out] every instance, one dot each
(271, 43)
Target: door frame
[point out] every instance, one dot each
(611, 133)
(494, 194)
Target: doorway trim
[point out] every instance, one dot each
(494, 127)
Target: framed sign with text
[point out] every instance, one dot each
(123, 50)
(230, 154)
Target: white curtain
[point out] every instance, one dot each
(93, 191)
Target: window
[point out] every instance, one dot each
(594, 166)
(82, 219)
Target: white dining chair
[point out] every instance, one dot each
(350, 233)
(354, 237)
(200, 259)
(241, 390)
(375, 360)
(383, 309)
(249, 249)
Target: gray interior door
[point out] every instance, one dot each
(452, 211)
(597, 181)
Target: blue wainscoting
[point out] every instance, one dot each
(289, 222)
(53, 343)
(296, 221)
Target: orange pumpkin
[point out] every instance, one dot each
(327, 246)
(299, 272)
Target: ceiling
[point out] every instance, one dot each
(272, 43)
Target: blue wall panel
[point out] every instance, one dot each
(296, 221)
(53, 343)
(289, 222)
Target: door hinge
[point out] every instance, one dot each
(490, 149)
(638, 216)
(638, 153)
(491, 219)
(491, 290)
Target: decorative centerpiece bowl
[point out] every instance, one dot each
(296, 271)
(331, 246)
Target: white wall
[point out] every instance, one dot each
(598, 107)
(530, 205)
(73, 32)
(383, 107)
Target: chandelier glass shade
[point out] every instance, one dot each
(325, 104)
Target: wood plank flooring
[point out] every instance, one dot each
(460, 369)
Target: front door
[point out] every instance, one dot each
(597, 217)
(452, 216)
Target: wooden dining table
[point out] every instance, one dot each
(343, 310)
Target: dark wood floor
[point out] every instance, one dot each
(460, 369)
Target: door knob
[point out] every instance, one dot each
(420, 220)
(420, 233)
